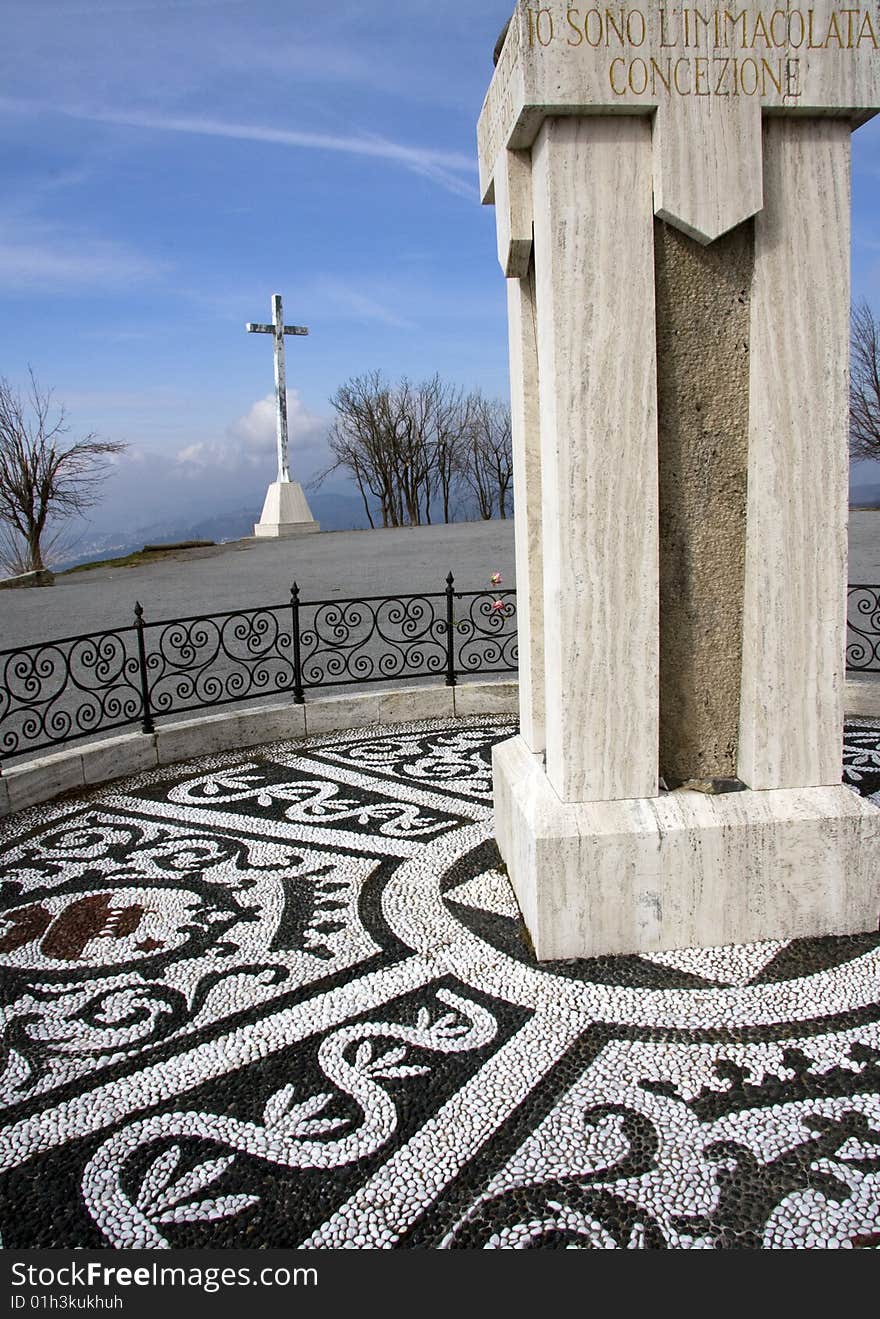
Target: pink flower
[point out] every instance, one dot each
(496, 579)
(496, 605)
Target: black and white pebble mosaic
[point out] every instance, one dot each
(284, 998)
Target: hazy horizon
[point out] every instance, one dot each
(170, 166)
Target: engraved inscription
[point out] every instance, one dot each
(705, 76)
(742, 51)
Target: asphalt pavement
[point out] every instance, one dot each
(242, 574)
(331, 565)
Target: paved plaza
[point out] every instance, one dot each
(333, 565)
(248, 573)
(285, 998)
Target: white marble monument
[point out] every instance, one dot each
(285, 510)
(672, 204)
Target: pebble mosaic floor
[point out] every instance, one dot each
(284, 998)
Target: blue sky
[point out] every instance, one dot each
(169, 164)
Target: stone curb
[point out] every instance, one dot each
(42, 779)
(50, 776)
(861, 698)
(40, 577)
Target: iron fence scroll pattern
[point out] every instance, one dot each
(485, 634)
(217, 659)
(371, 640)
(863, 629)
(59, 691)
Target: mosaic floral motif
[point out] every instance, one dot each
(286, 999)
(290, 1133)
(117, 933)
(457, 758)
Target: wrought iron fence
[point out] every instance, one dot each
(76, 687)
(59, 691)
(863, 629)
(215, 659)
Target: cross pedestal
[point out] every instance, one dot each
(672, 204)
(285, 511)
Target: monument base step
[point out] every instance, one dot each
(281, 529)
(285, 512)
(684, 869)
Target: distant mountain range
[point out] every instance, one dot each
(334, 511)
(865, 496)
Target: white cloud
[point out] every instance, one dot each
(201, 455)
(211, 475)
(250, 442)
(256, 429)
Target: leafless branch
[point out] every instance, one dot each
(407, 446)
(864, 386)
(43, 474)
(488, 455)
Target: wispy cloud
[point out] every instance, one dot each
(101, 8)
(865, 239)
(438, 166)
(128, 401)
(442, 167)
(360, 306)
(37, 255)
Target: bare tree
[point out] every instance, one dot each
(413, 411)
(363, 442)
(452, 424)
(402, 443)
(438, 420)
(488, 455)
(409, 445)
(864, 385)
(44, 477)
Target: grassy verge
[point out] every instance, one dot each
(149, 554)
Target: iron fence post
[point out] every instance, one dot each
(147, 725)
(451, 680)
(299, 697)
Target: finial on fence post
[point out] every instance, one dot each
(451, 680)
(147, 725)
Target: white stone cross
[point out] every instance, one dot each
(279, 329)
